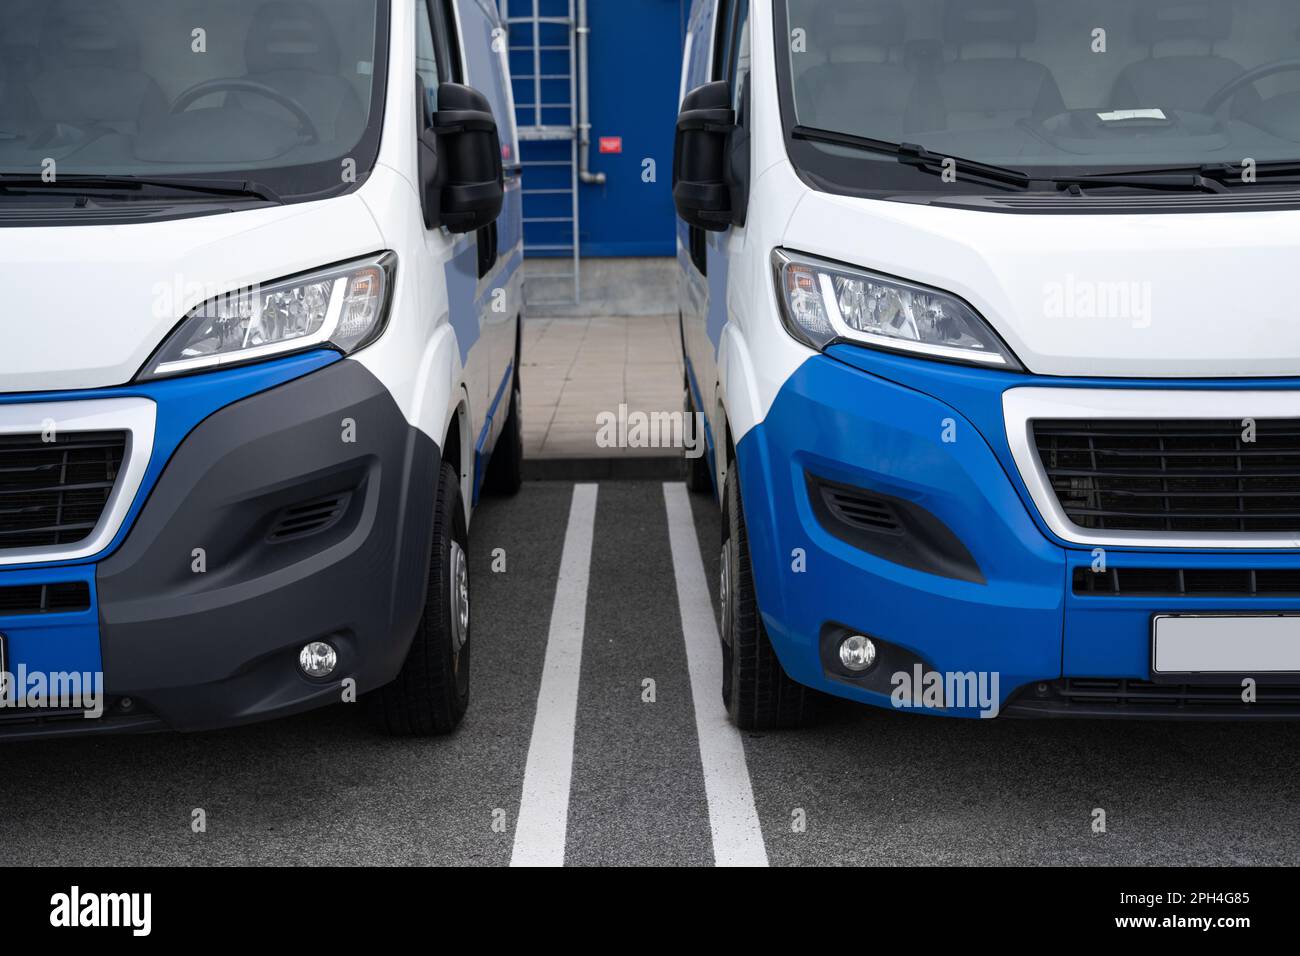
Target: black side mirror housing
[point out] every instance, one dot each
(701, 158)
(462, 178)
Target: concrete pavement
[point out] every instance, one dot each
(861, 787)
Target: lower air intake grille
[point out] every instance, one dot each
(1135, 699)
(54, 492)
(1174, 476)
(45, 599)
(1188, 582)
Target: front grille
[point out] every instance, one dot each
(1188, 582)
(1136, 699)
(1174, 476)
(53, 492)
(63, 598)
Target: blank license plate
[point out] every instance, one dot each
(1225, 644)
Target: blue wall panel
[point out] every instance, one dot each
(636, 57)
(635, 69)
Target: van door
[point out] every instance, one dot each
(709, 252)
(501, 245)
(693, 289)
(438, 61)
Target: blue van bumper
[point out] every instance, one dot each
(263, 523)
(989, 590)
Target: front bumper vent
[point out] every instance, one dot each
(309, 518)
(861, 510)
(891, 528)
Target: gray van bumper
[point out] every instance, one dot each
(303, 513)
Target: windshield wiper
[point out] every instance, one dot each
(910, 154)
(1282, 172)
(1215, 178)
(208, 187)
(1141, 179)
(1207, 177)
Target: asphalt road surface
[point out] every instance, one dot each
(569, 755)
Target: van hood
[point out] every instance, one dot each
(87, 305)
(1164, 295)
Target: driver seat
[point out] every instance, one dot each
(292, 48)
(1182, 81)
(90, 70)
(864, 86)
(991, 84)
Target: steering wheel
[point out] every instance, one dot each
(305, 123)
(1230, 89)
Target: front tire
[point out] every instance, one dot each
(431, 693)
(758, 693)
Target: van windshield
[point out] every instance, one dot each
(280, 92)
(1053, 87)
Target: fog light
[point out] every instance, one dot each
(318, 660)
(857, 653)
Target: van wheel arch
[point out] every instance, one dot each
(455, 441)
(724, 447)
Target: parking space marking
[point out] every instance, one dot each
(733, 818)
(544, 808)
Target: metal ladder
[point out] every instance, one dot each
(544, 69)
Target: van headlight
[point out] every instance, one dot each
(823, 303)
(343, 307)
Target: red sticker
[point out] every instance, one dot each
(611, 144)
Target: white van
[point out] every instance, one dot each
(260, 355)
(990, 309)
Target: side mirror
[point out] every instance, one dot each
(461, 173)
(701, 190)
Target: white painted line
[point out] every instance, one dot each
(737, 835)
(544, 810)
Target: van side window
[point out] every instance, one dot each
(739, 56)
(724, 31)
(731, 49)
(435, 62)
(426, 62)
